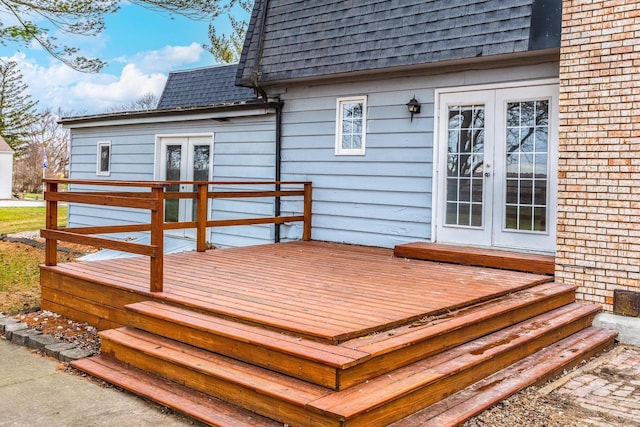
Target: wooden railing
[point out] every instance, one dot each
(151, 196)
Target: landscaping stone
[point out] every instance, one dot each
(5, 321)
(54, 350)
(39, 342)
(73, 354)
(22, 336)
(13, 327)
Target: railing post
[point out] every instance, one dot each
(202, 216)
(306, 233)
(51, 223)
(157, 240)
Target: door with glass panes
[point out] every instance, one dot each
(184, 158)
(497, 168)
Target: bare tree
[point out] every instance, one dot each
(47, 138)
(27, 170)
(466, 134)
(148, 101)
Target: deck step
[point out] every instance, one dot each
(391, 397)
(353, 362)
(302, 358)
(464, 255)
(378, 402)
(193, 404)
(561, 356)
(256, 389)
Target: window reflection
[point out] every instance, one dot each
(527, 139)
(172, 173)
(465, 160)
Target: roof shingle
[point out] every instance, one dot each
(203, 87)
(305, 39)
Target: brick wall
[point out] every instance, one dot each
(599, 149)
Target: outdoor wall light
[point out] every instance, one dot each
(413, 106)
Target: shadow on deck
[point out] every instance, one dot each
(311, 333)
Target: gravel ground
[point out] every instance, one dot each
(531, 408)
(81, 334)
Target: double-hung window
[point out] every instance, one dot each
(351, 123)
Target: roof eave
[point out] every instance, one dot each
(159, 113)
(431, 68)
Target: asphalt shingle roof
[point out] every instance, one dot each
(306, 39)
(203, 87)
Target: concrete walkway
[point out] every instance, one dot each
(21, 203)
(34, 392)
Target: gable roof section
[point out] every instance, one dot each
(203, 87)
(306, 39)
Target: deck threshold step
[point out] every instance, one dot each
(186, 401)
(563, 355)
(480, 257)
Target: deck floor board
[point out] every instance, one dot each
(327, 291)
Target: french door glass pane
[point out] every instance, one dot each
(172, 173)
(527, 165)
(200, 171)
(465, 160)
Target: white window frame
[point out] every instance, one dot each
(339, 119)
(99, 171)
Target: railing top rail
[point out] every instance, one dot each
(162, 184)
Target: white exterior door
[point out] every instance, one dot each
(184, 158)
(497, 168)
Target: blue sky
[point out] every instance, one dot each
(141, 47)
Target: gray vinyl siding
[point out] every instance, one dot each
(243, 149)
(383, 198)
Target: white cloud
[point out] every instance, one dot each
(166, 59)
(56, 85)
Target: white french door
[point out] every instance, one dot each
(184, 158)
(497, 168)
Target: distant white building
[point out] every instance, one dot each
(6, 169)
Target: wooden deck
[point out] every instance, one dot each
(322, 334)
(324, 291)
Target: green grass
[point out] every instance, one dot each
(19, 277)
(33, 196)
(15, 220)
(18, 267)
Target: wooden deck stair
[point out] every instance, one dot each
(398, 375)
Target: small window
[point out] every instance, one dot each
(103, 166)
(351, 122)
